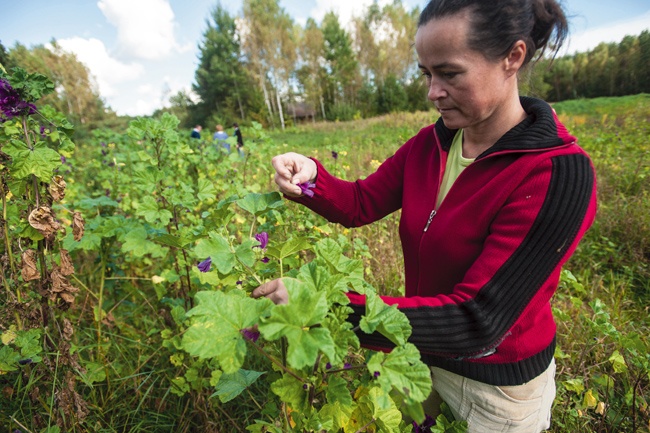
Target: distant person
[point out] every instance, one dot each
(494, 198)
(220, 137)
(196, 132)
(240, 140)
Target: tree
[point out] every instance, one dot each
(222, 82)
(76, 94)
(342, 66)
(312, 74)
(4, 57)
(384, 39)
(269, 44)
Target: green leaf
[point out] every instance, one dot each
(259, 203)
(216, 327)
(290, 247)
(299, 321)
(338, 413)
(332, 252)
(170, 241)
(402, 370)
(206, 190)
(218, 249)
(318, 279)
(576, 385)
(148, 208)
(39, 161)
(180, 387)
(337, 391)
(386, 415)
(231, 385)
(291, 391)
(387, 320)
(135, 242)
(618, 362)
(8, 359)
(245, 252)
(95, 372)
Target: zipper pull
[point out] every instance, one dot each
(431, 215)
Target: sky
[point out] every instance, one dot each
(141, 52)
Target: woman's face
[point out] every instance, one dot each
(467, 89)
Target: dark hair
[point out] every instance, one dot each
(498, 24)
(235, 124)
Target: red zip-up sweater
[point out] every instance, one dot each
(480, 269)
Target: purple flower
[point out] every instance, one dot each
(205, 265)
(306, 188)
(426, 425)
(264, 259)
(251, 334)
(62, 159)
(239, 282)
(335, 155)
(376, 374)
(11, 104)
(328, 365)
(347, 366)
(305, 386)
(263, 239)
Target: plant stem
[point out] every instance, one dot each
(100, 308)
(365, 427)
(276, 362)
(5, 230)
(14, 420)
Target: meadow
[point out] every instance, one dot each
(128, 260)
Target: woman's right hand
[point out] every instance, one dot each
(292, 169)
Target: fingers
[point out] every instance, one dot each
(292, 169)
(274, 290)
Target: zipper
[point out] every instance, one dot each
(431, 215)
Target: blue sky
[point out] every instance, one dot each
(142, 51)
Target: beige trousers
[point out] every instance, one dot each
(491, 409)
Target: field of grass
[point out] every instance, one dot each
(123, 357)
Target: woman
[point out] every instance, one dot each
(495, 197)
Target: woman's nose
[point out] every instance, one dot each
(436, 91)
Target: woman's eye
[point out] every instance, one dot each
(449, 75)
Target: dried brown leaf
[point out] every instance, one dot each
(29, 270)
(57, 188)
(61, 287)
(68, 330)
(67, 268)
(42, 219)
(77, 226)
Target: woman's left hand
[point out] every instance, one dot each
(274, 290)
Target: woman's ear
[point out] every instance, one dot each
(515, 58)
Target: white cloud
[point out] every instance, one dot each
(145, 28)
(107, 70)
(614, 32)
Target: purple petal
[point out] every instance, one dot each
(306, 188)
(263, 239)
(335, 155)
(265, 260)
(347, 366)
(250, 334)
(205, 265)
